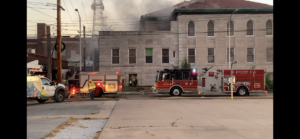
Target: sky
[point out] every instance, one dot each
(122, 15)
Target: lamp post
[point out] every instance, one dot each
(79, 39)
(229, 61)
(231, 79)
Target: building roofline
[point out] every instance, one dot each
(223, 10)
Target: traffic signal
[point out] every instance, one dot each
(117, 72)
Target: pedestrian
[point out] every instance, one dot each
(69, 75)
(91, 89)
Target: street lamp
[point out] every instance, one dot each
(229, 39)
(231, 79)
(79, 39)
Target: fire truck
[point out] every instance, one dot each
(188, 81)
(107, 82)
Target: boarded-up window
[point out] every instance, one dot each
(231, 54)
(132, 56)
(270, 54)
(231, 28)
(148, 53)
(210, 28)
(115, 56)
(191, 53)
(250, 55)
(165, 55)
(250, 28)
(191, 29)
(269, 28)
(211, 55)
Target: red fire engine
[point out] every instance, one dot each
(179, 81)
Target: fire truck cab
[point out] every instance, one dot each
(176, 81)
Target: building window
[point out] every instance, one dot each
(191, 54)
(191, 29)
(231, 28)
(174, 54)
(210, 29)
(211, 55)
(270, 54)
(231, 54)
(148, 55)
(165, 55)
(115, 56)
(132, 79)
(250, 54)
(269, 28)
(132, 56)
(250, 28)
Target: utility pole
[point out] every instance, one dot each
(49, 69)
(84, 48)
(58, 44)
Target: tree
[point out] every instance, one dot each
(184, 64)
(269, 82)
(252, 67)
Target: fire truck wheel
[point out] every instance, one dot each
(60, 96)
(242, 91)
(41, 100)
(98, 92)
(176, 91)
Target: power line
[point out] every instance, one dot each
(73, 8)
(85, 15)
(41, 12)
(69, 13)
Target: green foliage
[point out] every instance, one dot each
(269, 82)
(253, 67)
(185, 63)
(175, 67)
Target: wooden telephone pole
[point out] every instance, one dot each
(58, 44)
(49, 69)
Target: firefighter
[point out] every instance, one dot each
(91, 89)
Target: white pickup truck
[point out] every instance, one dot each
(41, 89)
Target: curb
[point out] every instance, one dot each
(265, 97)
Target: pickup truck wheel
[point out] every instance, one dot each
(41, 100)
(60, 96)
(242, 91)
(176, 91)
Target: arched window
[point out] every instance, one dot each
(269, 27)
(250, 28)
(231, 28)
(210, 29)
(191, 29)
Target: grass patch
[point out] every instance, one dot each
(70, 122)
(97, 135)
(173, 123)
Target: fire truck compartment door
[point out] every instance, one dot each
(111, 86)
(83, 79)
